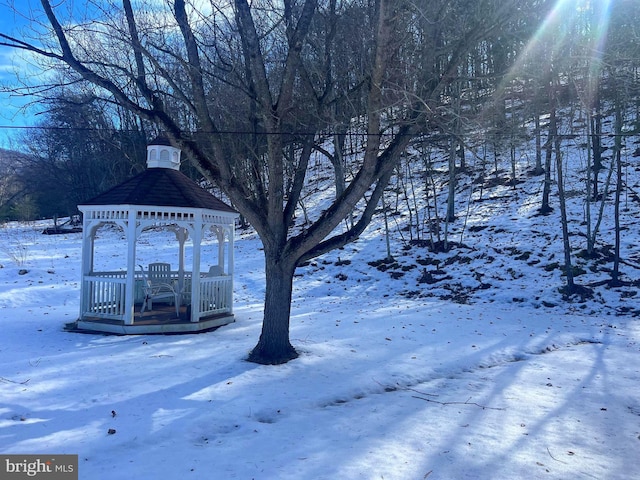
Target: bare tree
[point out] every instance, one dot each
(266, 75)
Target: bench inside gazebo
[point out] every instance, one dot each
(159, 296)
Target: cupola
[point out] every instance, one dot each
(161, 154)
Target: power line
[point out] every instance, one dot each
(322, 132)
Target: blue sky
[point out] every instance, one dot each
(11, 115)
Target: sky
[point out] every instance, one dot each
(12, 114)
(11, 107)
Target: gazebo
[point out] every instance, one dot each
(159, 297)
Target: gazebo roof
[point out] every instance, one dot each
(163, 187)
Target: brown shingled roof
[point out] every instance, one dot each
(160, 187)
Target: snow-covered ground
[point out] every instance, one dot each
(485, 374)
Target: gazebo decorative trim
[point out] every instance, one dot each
(161, 196)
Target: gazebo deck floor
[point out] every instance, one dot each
(162, 313)
(162, 319)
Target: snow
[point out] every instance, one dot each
(487, 374)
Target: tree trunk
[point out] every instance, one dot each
(451, 197)
(512, 153)
(545, 208)
(596, 145)
(338, 162)
(387, 233)
(589, 185)
(615, 272)
(568, 267)
(274, 347)
(538, 169)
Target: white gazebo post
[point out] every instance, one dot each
(132, 237)
(195, 271)
(181, 235)
(220, 237)
(231, 262)
(86, 265)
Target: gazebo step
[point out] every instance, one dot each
(151, 325)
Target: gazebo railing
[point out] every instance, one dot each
(104, 294)
(215, 295)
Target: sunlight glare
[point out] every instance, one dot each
(572, 28)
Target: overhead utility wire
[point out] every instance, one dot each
(361, 134)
